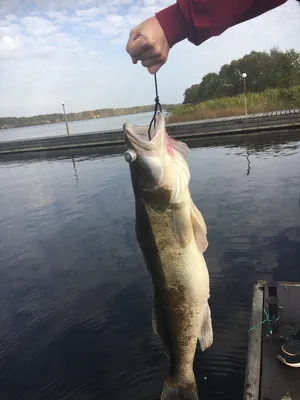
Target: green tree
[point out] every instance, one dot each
(210, 86)
(273, 69)
(191, 95)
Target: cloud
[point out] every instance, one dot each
(11, 18)
(8, 44)
(37, 26)
(75, 50)
(62, 17)
(93, 12)
(11, 29)
(112, 26)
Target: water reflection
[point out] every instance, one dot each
(248, 161)
(75, 296)
(75, 170)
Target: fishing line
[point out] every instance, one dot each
(156, 107)
(157, 102)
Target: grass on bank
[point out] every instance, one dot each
(268, 100)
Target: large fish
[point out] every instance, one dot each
(172, 236)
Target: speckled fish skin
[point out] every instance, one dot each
(172, 236)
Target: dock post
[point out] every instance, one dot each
(252, 377)
(273, 306)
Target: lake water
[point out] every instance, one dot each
(75, 296)
(91, 125)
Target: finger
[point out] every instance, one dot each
(155, 68)
(137, 47)
(151, 62)
(149, 53)
(132, 37)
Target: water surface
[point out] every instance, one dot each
(91, 125)
(75, 297)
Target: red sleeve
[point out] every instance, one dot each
(198, 20)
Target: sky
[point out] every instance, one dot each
(75, 51)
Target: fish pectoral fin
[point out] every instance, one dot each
(182, 224)
(188, 220)
(206, 330)
(181, 147)
(199, 227)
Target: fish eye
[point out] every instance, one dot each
(130, 156)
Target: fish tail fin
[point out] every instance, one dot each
(206, 333)
(180, 389)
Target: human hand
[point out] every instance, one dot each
(147, 43)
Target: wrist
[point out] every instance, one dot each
(173, 24)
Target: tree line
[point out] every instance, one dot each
(17, 122)
(273, 69)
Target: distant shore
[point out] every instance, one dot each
(46, 119)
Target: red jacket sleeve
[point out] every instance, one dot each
(198, 20)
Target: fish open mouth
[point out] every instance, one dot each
(139, 136)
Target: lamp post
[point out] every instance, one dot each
(244, 76)
(67, 127)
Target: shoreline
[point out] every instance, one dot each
(245, 124)
(150, 109)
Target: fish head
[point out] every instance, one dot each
(159, 162)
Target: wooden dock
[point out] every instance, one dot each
(275, 316)
(237, 125)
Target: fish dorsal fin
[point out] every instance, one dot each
(187, 220)
(180, 147)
